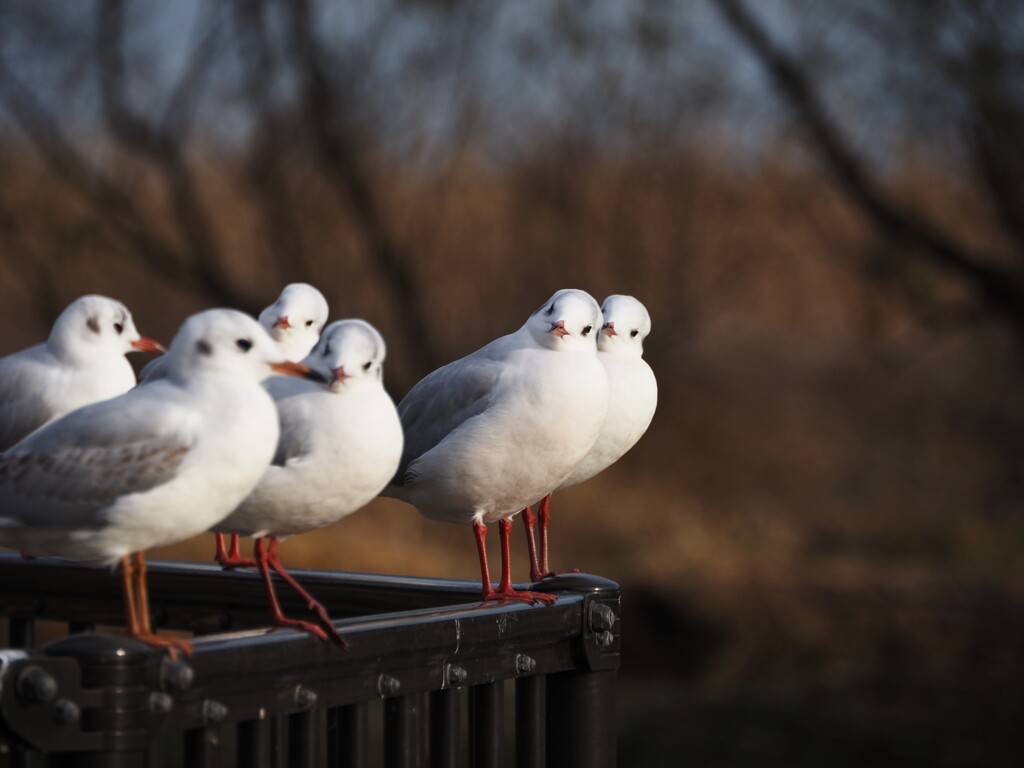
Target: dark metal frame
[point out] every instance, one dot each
(422, 651)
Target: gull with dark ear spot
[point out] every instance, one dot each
(632, 400)
(493, 432)
(296, 319)
(153, 466)
(340, 444)
(82, 362)
(294, 322)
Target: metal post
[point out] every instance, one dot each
(254, 744)
(445, 728)
(486, 715)
(347, 733)
(202, 747)
(304, 740)
(530, 723)
(581, 710)
(400, 742)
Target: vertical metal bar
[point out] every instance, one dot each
(202, 747)
(400, 733)
(530, 723)
(304, 739)
(581, 719)
(445, 728)
(22, 758)
(279, 742)
(347, 736)
(22, 632)
(253, 744)
(486, 717)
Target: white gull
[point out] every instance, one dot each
(493, 432)
(82, 362)
(153, 466)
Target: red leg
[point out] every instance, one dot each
(311, 602)
(264, 562)
(528, 520)
(480, 531)
(136, 602)
(233, 559)
(544, 513)
(505, 591)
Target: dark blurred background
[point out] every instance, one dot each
(820, 538)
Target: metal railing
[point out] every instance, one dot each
(423, 683)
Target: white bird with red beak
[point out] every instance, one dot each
(153, 466)
(339, 446)
(296, 319)
(493, 432)
(82, 362)
(632, 400)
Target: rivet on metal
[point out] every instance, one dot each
(176, 675)
(602, 617)
(65, 712)
(525, 664)
(214, 711)
(36, 685)
(388, 685)
(455, 675)
(304, 697)
(605, 639)
(160, 703)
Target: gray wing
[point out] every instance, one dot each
(65, 474)
(444, 400)
(22, 410)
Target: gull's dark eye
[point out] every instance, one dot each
(118, 327)
(633, 334)
(244, 344)
(588, 329)
(309, 323)
(366, 366)
(550, 310)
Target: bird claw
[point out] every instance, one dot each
(303, 626)
(229, 563)
(519, 596)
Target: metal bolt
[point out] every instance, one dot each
(525, 664)
(176, 675)
(605, 639)
(304, 697)
(388, 685)
(65, 712)
(455, 675)
(37, 686)
(214, 711)
(160, 703)
(602, 617)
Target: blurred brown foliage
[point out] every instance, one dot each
(831, 496)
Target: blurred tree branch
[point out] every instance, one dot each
(337, 148)
(998, 287)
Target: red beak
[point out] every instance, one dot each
(340, 375)
(283, 322)
(609, 329)
(558, 329)
(298, 369)
(148, 345)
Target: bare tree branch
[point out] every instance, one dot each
(351, 181)
(166, 153)
(1000, 289)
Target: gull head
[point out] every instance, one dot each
(96, 325)
(225, 342)
(349, 355)
(626, 325)
(569, 320)
(295, 320)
